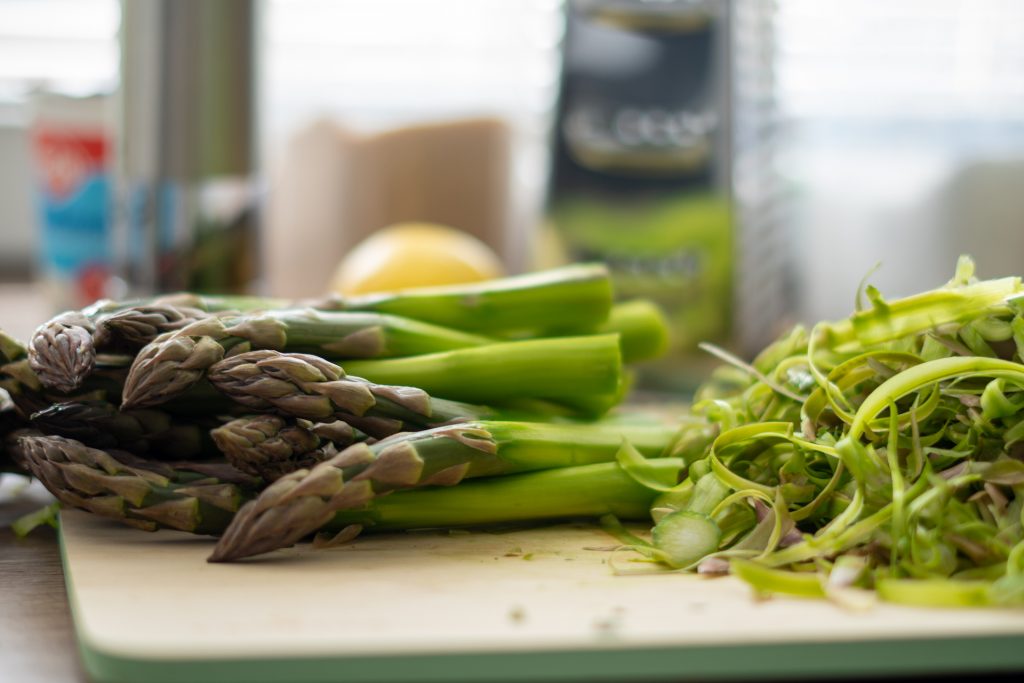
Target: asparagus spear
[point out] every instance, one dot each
(200, 499)
(136, 326)
(176, 360)
(586, 491)
(306, 386)
(304, 501)
(575, 298)
(101, 425)
(269, 447)
(557, 368)
(139, 325)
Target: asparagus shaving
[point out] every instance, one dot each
(878, 452)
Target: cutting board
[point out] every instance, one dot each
(543, 604)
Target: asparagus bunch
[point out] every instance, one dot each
(407, 360)
(304, 501)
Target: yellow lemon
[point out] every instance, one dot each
(414, 255)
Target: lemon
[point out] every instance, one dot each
(414, 255)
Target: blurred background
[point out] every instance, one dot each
(745, 163)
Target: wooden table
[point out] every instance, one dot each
(36, 637)
(37, 642)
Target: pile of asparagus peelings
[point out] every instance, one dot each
(263, 421)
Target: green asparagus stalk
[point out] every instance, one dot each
(100, 424)
(10, 349)
(23, 388)
(310, 387)
(585, 491)
(576, 298)
(200, 499)
(175, 361)
(642, 330)
(269, 446)
(556, 368)
(10, 424)
(304, 501)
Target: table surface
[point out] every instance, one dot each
(36, 637)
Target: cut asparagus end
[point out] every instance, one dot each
(642, 328)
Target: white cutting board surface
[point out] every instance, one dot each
(152, 597)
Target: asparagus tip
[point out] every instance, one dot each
(62, 353)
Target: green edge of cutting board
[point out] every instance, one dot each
(792, 659)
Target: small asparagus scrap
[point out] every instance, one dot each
(194, 498)
(310, 387)
(269, 446)
(174, 361)
(304, 501)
